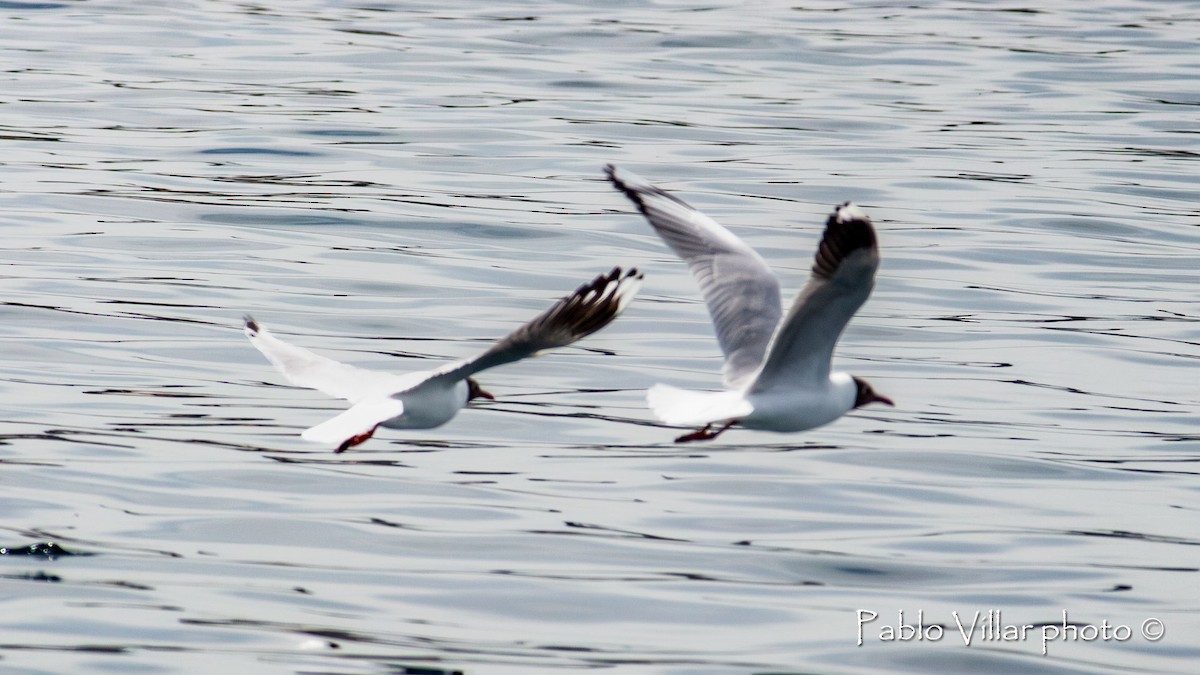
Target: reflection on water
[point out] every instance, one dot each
(396, 184)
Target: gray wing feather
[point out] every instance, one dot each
(742, 294)
(842, 278)
(306, 369)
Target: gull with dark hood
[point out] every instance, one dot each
(777, 368)
(427, 399)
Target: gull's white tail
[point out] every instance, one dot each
(689, 408)
(360, 418)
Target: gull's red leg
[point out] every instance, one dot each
(705, 434)
(355, 440)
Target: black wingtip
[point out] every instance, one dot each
(616, 274)
(637, 189)
(619, 183)
(596, 303)
(251, 324)
(847, 229)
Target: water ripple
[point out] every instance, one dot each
(396, 186)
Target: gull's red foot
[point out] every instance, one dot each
(355, 440)
(705, 434)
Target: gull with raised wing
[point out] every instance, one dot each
(777, 372)
(427, 399)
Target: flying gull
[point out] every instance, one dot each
(427, 399)
(777, 368)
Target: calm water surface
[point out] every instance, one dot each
(396, 184)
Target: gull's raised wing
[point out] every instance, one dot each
(843, 275)
(741, 292)
(306, 369)
(591, 307)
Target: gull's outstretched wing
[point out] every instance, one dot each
(741, 292)
(306, 369)
(591, 307)
(843, 275)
